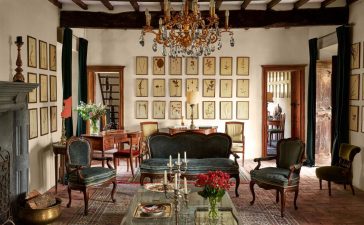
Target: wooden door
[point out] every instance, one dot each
(295, 104)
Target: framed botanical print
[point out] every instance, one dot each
(354, 118)
(141, 87)
(192, 65)
(355, 56)
(209, 87)
(159, 109)
(159, 88)
(175, 65)
(32, 51)
(209, 65)
(53, 118)
(52, 57)
(242, 66)
(33, 123)
(141, 110)
(208, 110)
(43, 87)
(226, 110)
(141, 65)
(226, 66)
(242, 88)
(242, 110)
(43, 55)
(354, 87)
(195, 111)
(175, 87)
(159, 65)
(191, 84)
(53, 88)
(44, 126)
(175, 110)
(226, 90)
(32, 96)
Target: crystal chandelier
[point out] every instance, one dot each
(186, 33)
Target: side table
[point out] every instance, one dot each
(59, 149)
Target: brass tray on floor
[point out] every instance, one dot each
(147, 210)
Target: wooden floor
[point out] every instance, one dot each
(314, 205)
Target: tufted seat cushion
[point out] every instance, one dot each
(332, 173)
(274, 176)
(92, 176)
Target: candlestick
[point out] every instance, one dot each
(185, 184)
(165, 177)
(19, 77)
(226, 19)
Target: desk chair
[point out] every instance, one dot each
(236, 131)
(279, 131)
(147, 128)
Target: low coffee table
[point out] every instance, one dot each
(194, 214)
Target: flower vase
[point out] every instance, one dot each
(213, 209)
(94, 127)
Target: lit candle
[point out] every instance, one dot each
(226, 19)
(185, 184)
(165, 5)
(165, 177)
(178, 159)
(160, 23)
(170, 161)
(175, 181)
(212, 5)
(147, 17)
(185, 157)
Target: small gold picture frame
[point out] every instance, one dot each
(43, 55)
(52, 57)
(226, 66)
(195, 111)
(53, 117)
(355, 56)
(43, 88)
(191, 84)
(159, 109)
(175, 87)
(226, 90)
(44, 124)
(209, 86)
(141, 87)
(33, 123)
(141, 110)
(32, 51)
(53, 88)
(175, 65)
(159, 65)
(208, 109)
(242, 88)
(226, 110)
(354, 87)
(192, 65)
(209, 65)
(32, 96)
(242, 110)
(242, 66)
(175, 109)
(159, 88)
(354, 118)
(141, 65)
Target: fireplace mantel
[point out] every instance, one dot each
(13, 94)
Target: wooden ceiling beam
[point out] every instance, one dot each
(135, 5)
(107, 4)
(248, 19)
(349, 2)
(326, 3)
(56, 3)
(272, 3)
(81, 4)
(245, 4)
(299, 3)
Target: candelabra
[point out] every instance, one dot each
(19, 77)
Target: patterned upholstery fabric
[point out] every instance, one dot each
(148, 129)
(274, 176)
(235, 131)
(92, 176)
(79, 153)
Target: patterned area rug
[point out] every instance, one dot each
(103, 212)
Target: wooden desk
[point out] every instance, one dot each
(201, 130)
(59, 149)
(274, 123)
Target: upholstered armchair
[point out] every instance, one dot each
(147, 128)
(341, 172)
(81, 176)
(236, 131)
(285, 176)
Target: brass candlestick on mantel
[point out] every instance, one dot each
(19, 77)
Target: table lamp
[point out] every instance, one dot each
(192, 100)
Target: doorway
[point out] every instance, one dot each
(283, 80)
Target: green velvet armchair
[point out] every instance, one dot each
(341, 172)
(285, 176)
(81, 175)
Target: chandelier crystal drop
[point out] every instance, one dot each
(186, 33)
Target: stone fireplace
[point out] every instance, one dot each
(14, 124)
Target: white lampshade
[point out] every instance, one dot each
(192, 97)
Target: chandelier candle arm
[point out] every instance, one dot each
(226, 19)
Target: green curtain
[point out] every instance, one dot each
(311, 105)
(342, 79)
(82, 82)
(67, 74)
